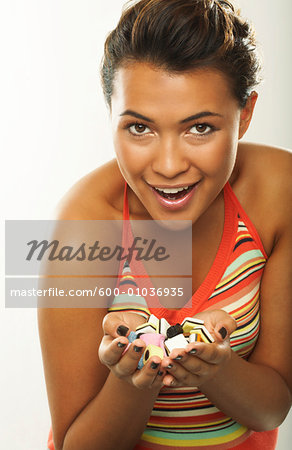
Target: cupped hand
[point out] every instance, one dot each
(122, 358)
(199, 362)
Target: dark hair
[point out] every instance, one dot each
(182, 35)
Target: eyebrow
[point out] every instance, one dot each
(199, 115)
(129, 112)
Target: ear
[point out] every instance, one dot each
(246, 114)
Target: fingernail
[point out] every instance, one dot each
(160, 373)
(223, 332)
(178, 358)
(122, 330)
(137, 349)
(121, 345)
(193, 351)
(154, 365)
(170, 366)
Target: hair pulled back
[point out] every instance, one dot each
(182, 35)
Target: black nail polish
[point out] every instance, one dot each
(193, 351)
(178, 358)
(122, 330)
(121, 345)
(137, 349)
(223, 332)
(154, 365)
(160, 373)
(170, 366)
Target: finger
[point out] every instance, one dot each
(114, 326)
(159, 377)
(224, 328)
(219, 323)
(111, 350)
(214, 353)
(150, 375)
(176, 364)
(178, 375)
(209, 353)
(128, 363)
(170, 381)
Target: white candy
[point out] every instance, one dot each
(153, 320)
(163, 326)
(146, 328)
(178, 341)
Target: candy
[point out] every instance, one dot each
(163, 325)
(204, 334)
(152, 350)
(132, 336)
(151, 326)
(174, 330)
(161, 338)
(178, 341)
(189, 323)
(195, 336)
(152, 340)
(145, 328)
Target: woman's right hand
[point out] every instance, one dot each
(116, 327)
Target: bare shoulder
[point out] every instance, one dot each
(98, 195)
(268, 169)
(264, 159)
(264, 187)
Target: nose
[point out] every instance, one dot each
(170, 159)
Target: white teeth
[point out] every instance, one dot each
(173, 190)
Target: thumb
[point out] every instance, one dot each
(114, 325)
(224, 328)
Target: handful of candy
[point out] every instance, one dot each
(161, 338)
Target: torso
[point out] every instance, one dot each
(232, 284)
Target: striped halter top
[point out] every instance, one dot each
(184, 418)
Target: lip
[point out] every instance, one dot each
(175, 204)
(171, 186)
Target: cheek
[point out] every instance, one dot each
(132, 158)
(218, 157)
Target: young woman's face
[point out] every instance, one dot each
(175, 137)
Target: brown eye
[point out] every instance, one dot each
(138, 129)
(201, 128)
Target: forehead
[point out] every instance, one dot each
(141, 85)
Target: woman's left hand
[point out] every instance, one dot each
(199, 362)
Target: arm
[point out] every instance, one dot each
(257, 392)
(265, 381)
(91, 408)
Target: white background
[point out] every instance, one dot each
(55, 129)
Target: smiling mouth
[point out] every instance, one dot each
(174, 193)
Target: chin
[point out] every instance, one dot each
(174, 225)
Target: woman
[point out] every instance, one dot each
(178, 76)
